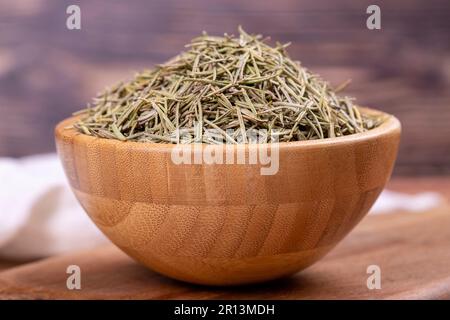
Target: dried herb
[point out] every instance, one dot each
(228, 84)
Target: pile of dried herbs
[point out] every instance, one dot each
(228, 84)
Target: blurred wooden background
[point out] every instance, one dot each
(48, 71)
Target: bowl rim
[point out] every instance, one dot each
(390, 126)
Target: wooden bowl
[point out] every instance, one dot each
(226, 224)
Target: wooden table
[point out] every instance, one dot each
(412, 250)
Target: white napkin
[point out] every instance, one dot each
(390, 201)
(39, 216)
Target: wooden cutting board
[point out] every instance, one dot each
(412, 250)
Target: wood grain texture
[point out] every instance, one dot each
(411, 250)
(227, 224)
(47, 71)
(408, 185)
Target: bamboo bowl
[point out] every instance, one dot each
(226, 224)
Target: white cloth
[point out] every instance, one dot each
(39, 216)
(390, 201)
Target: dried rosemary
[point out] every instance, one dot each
(230, 85)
